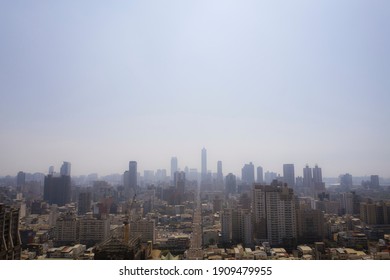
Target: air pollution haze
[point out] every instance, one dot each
(269, 82)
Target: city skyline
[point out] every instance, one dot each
(100, 84)
(215, 170)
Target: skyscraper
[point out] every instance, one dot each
(204, 164)
(317, 175)
(248, 173)
(219, 170)
(65, 169)
(57, 189)
(10, 243)
(310, 225)
(133, 177)
(289, 175)
(374, 181)
(346, 180)
(318, 185)
(230, 184)
(21, 179)
(307, 178)
(274, 214)
(219, 176)
(173, 167)
(260, 178)
(179, 181)
(84, 203)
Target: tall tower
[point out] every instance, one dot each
(307, 178)
(260, 178)
(219, 175)
(21, 179)
(219, 170)
(179, 181)
(248, 173)
(65, 169)
(289, 174)
(204, 164)
(132, 178)
(57, 189)
(173, 167)
(274, 214)
(317, 175)
(230, 184)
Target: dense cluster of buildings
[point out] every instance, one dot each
(191, 215)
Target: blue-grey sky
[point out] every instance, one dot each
(99, 83)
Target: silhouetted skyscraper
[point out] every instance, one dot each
(84, 203)
(269, 177)
(346, 180)
(289, 174)
(173, 167)
(21, 179)
(260, 178)
(307, 178)
(317, 175)
(204, 164)
(230, 184)
(133, 177)
(57, 189)
(374, 181)
(179, 181)
(248, 173)
(219, 170)
(219, 175)
(65, 169)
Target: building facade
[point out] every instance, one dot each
(10, 243)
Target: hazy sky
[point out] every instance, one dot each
(100, 83)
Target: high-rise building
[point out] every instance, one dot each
(248, 174)
(219, 170)
(204, 164)
(346, 180)
(65, 169)
(318, 185)
(230, 184)
(57, 189)
(219, 182)
(289, 175)
(10, 243)
(307, 178)
(236, 226)
(84, 203)
(317, 175)
(375, 213)
(259, 174)
(374, 181)
(133, 182)
(269, 177)
(174, 167)
(180, 182)
(21, 179)
(274, 214)
(310, 224)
